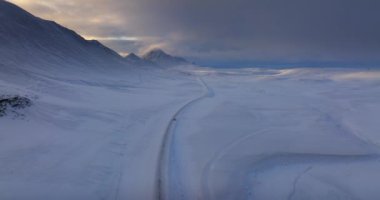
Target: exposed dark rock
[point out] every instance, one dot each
(13, 103)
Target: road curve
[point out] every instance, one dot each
(163, 159)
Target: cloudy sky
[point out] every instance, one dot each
(228, 32)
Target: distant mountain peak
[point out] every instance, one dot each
(134, 59)
(132, 56)
(160, 57)
(158, 50)
(155, 53)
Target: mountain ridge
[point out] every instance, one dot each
(28, 40)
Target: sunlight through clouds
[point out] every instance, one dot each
(122, 38)
(253, 32)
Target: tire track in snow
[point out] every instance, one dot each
(163, 159)
(271, 160)
(218, 156)
(261, 163)
(295, 182)
(268, 161)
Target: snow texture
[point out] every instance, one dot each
(101, 128)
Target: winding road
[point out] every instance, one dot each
(162, 182)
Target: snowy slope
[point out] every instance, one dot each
(29, 40)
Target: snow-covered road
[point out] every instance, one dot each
(167, 155)
(194, 134)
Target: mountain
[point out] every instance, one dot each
(135, 60)
(28, 40)
(133, 57)
(33, 44)
(161, 58)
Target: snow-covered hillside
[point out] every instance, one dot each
(26, 40)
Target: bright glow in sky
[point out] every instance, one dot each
(122, 38)
(92, 19)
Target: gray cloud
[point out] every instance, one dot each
(230, 31)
